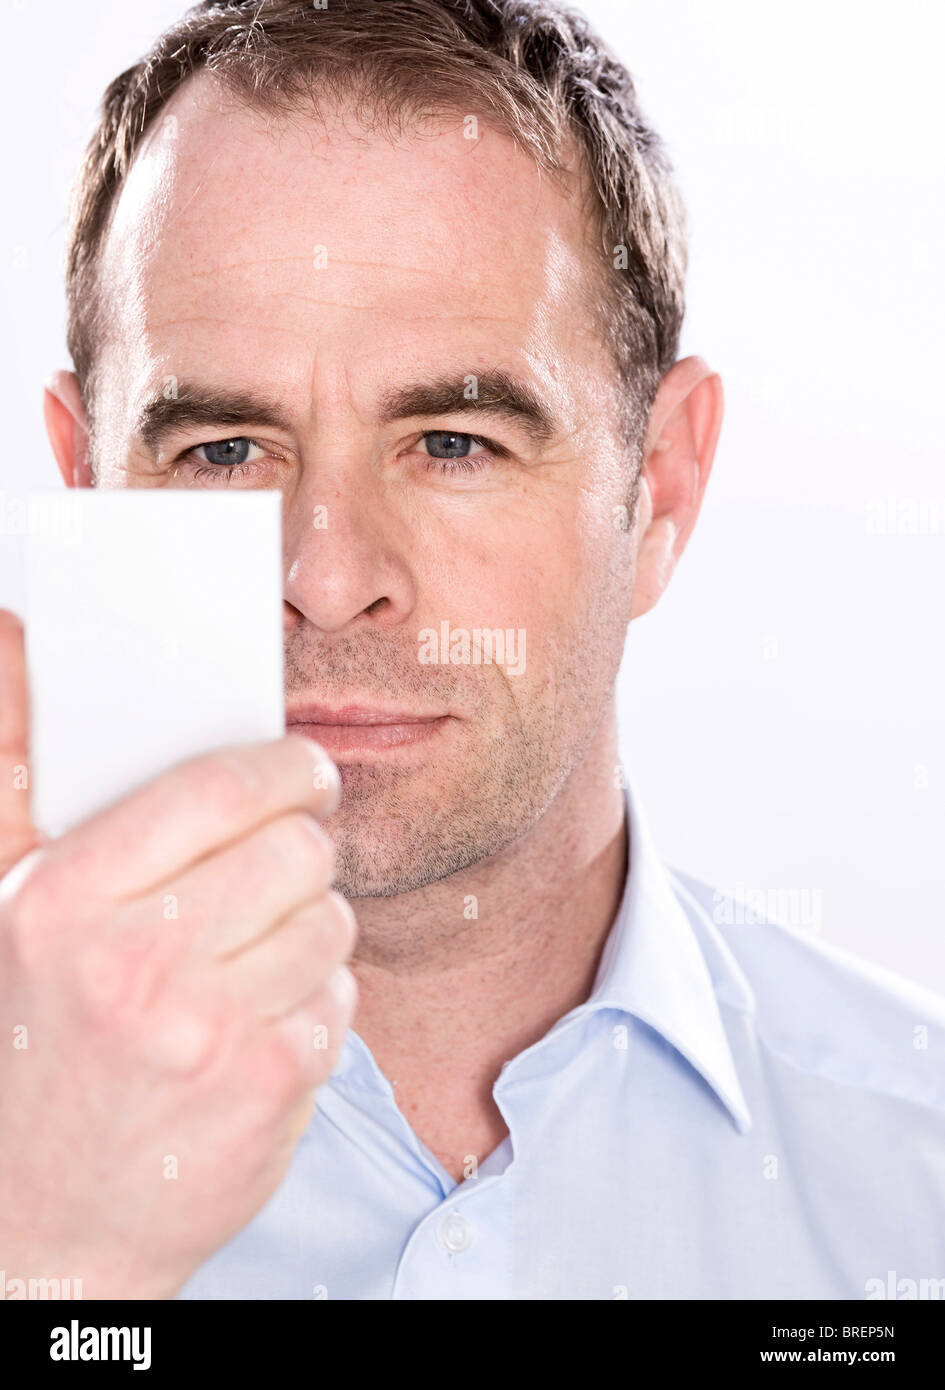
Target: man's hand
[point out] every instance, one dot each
(172, 990)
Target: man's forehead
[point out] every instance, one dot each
(229, 210)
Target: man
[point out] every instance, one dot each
(420, 266)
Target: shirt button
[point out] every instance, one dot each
(455, 1232)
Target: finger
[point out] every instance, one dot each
(234, 896)
(196, 808)
(294, 960)
(300, 1119)
(17, 834)
(316, 1030)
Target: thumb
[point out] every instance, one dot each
(17, 833)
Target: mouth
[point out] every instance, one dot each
(352, 733)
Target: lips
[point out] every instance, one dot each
(355, 714)
(354, 731)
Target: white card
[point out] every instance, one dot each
(153, 634)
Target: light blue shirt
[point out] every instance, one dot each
(737, 1111)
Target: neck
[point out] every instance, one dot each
(467, 993)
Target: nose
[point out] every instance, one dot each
(346, 553)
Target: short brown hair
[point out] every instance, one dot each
(535, 70)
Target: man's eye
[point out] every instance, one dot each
(444, 444)
(229, 453)
(449, 451)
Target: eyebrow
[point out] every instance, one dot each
(497, 393)
(493, 392)
(194, 407)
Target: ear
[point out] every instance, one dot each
(67, 428)
(680, 445)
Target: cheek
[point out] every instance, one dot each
(544, 597)
(506, 577)
(552, 562)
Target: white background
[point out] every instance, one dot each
(782, 706)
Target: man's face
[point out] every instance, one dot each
(331, 275)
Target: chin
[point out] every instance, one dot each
(401, 828)
(390, 841)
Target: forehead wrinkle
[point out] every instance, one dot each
(214, 271)
(302, 258)
(460, 316)
(555, 286)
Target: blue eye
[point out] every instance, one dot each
(445, 444)
(226, 453)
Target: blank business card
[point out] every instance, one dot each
(153, 634)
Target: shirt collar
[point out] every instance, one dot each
(654, 968)
(657, 965)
